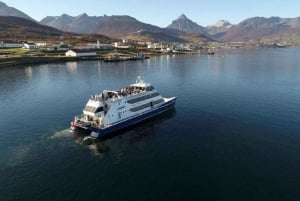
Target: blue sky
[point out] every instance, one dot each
(161, 13)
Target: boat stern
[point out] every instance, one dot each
(73, 126)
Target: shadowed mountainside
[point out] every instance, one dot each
(260, 29)
(119, 27)
(16, 28)
(10, 11)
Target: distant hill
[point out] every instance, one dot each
(264, 29)
(79, 24)
(21, 28)
(196, 38)
(16, 28)
(153, 37)
(167, 36)
(113, 26)
(117, 26)
(182, 23)
(10, 11)
(219, 28)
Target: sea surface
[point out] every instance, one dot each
(233, 135)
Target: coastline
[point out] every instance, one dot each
(13, 61)
(35, 60)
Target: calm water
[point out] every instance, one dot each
(234, 135)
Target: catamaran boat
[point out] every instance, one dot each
(113, 110)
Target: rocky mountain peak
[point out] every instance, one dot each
(83, 15)
(183, 23)
(65, 15)
(10, 11)
(2, 4)
(182, 16)
(222, 23)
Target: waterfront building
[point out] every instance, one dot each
(30, 46)
(10, 44)
(80, 53)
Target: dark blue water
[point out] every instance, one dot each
(234, 135)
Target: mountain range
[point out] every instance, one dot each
(182, 29)
(17, 28)
(121, 27)
(114, 26)
(260, 29)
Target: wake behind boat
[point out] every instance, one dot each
(113, 110)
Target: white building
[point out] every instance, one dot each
(182, 47)
(101, 46)
(43, 44)
(121, 45)
(30, 46)
(80, 53)
(61, 47)
(155, 46)
(104, 46)
(11, 44)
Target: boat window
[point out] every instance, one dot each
(143, 98)
(141, 107)
(93, 109)
(150, 88)
(89, 109)
(99, 109)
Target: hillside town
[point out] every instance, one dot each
(19, 53)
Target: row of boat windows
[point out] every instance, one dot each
(93, 109)
(146, 105)
(133, 90)
(135, 100)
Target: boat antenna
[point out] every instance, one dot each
(139, 80)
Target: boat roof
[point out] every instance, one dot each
(110, 91)
(140, 83)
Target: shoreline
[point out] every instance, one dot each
(34, 60)
(14, 61)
